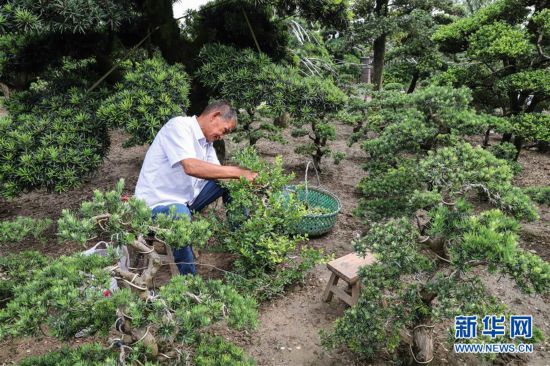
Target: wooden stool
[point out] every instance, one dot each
(346, 268)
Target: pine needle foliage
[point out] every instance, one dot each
(151, 93)
(22, 227)
(51, 138)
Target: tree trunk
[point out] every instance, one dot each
(282, 120)
(144, 282)
(414, 80)
(486, 138)
(167, 37)
(518, 143)
(379, 46)
(317, 160)
(507, 137)
(543, 146)
(423, 344)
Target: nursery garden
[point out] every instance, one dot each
(414, 132)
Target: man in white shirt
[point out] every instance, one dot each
(180, 168)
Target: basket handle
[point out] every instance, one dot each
(316, 173)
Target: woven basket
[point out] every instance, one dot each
(315, 225)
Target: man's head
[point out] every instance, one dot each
(217, 120)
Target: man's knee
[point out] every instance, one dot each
(179, 210)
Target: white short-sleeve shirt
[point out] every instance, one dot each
(162, 180)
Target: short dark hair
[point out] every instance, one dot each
(224, 107)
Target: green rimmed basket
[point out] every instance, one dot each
(316, 224)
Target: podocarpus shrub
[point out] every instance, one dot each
(355, 111)
(424, 276)
(538, 194)
(71, 296)
(151, 93)
(410, 127)
(16, 269)
(90, 354)
(510, 58)
(262, 213)
(261, 218)
(423, 177)
(411, 124)
(51, 138)
(210, 351)
(249, 81)
(444, 174)
(315, 102)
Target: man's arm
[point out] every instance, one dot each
(201, 169)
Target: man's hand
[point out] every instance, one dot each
(249, 175)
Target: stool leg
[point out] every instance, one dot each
(333, 281)
(355, 291)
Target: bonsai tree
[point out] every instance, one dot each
(418, 202)
(413, 286)
(251, 83)
(315, 102)
(412, 124)
(80, 294)
(56, 134)
(502, 55)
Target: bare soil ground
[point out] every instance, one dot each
(288, 333)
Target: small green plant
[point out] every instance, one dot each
(538, 194)
(16, 230)
(265, 286)
(90, 354)
(317, 210)
(213, 351)
(261, 219)
(264, 214)
(16, 269)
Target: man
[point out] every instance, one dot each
(181, 168)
